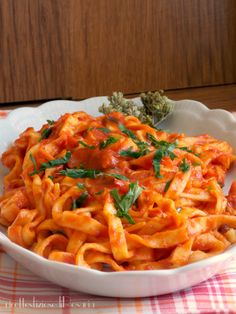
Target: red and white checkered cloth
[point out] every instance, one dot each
(25, 293)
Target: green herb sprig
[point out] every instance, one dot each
(47, 132)
(110, 140)
(124, 203)
(165, 149)
(51, 163)
(86, 145)
(89, 173)
(79, 201)
(184, 166)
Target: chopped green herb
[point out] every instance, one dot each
(130, 153)
(50, 163)
(81, 185)
(153, 140)
(109, 141)
(56, 162)
(186, 149)
(79, 202)
(51, 177)
(80, 173)
(105, 130)
(165, 149)
(117, 176)
(127, 131)
(184, 166)
(124, 202)
(99, 192)
(34, 164)
(90, 128)
(51, 122)
(45, 133)
(168, 183)
(86, 145)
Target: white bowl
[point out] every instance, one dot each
(190, 117)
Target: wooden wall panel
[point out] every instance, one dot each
(81, 48)
(34, 49)
(138, 45)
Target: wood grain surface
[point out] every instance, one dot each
(214, 97)
(82, 48)
(34, 36)
(139, 45)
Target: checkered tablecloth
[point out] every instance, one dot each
(23, 292)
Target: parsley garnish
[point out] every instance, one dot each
(56, 162)
(51, 177)
(186, 149)
(152, 139)
(165, 149)
(86, 145)
(80, 173)
(127, 131)
(89, 173)
(110, 140)
(184, 166)
(81, 186)
(143, 150)
(117, 176)
(124, 202)
(47, 132)
(79, 202)
(51, 122)
(50, 163)
(105, 130)
(99, 192)
(34, 164)
(130, 153)
(168, 183)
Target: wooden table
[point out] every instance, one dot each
(223, 97)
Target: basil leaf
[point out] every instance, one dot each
(109, 141)
(86, 145)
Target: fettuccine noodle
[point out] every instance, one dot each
(111, 193)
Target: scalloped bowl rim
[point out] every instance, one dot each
(179, 105)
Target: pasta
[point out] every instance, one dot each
(111, 193)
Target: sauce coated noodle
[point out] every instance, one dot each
(113, 191)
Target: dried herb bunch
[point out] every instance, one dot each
(154, 109)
